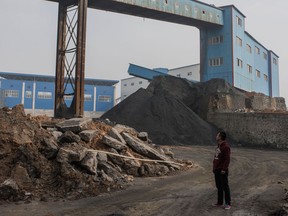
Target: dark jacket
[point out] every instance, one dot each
(222, 157)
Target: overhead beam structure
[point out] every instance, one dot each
(70, 62)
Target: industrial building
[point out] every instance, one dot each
(37, 93)
(228, 52)
(231, 53)
(141, 80)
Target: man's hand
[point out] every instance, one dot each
(223, 172)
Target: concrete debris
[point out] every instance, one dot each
(75, 125)
(113, 143)
(116, 135)
(85, 160)
(69, 137)
(9, 191)
(88, 135)
(143, 136)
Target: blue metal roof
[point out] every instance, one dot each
(45, 78)
(145, 73)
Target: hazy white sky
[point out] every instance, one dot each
(28, 31)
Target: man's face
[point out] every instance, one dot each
(218, 138)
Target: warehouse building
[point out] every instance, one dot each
(36, 93)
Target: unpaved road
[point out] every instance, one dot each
(257, 182)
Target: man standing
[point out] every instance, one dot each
(220, 169)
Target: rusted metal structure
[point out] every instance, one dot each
(70, 59)
(70, 62)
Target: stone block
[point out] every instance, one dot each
(113, 143)
(89, 162)
(116, 135)
(75, 124)
(88, 135)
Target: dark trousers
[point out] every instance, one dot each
(221, 181)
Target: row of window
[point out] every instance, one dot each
(257, 50)
(216, 62)
(188, 74)
(215, 40)
(48, 95)
(250, 70)
(132, 84)
(239, 42)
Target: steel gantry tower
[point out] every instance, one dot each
(72, 18)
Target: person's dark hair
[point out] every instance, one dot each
(222, 134)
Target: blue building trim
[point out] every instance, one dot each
(37, 92)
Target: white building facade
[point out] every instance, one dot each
(131, 85)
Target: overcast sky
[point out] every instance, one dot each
(28, 31)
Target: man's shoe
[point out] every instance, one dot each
(227, 207)
(217, 205)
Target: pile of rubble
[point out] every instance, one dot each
(43, 158)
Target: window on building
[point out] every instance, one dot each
(132, 84)
(265, 55)
(248, 48)
(239, 63)
(125, 84)
(28, 94)
(178, 75)
(11, 93)
(87, 97)
(249, 68)
(257, 50)
(258, 74)
(239, 21)
(239, 41)
(275, 61)
(44, 95)
(265, 77)
(104, 98)
(216, 62)
(215, 40)
(189, 74)
(140, 82)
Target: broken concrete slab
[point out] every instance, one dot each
(143, 136)
(143, 149)
(113, 143)
(116, 135)
(21, 177)
(102, 157)
(75, 124)
(57, 134)
(69, 155)
(69, 137)
(88, 135)
(49, 148)
(123, 128)
(148, 169)
(89, 162)
(9, 190)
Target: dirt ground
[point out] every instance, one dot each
(257, 181)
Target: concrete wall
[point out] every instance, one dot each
(267, 130)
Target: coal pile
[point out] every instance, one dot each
(173, 110)
(43, 158)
